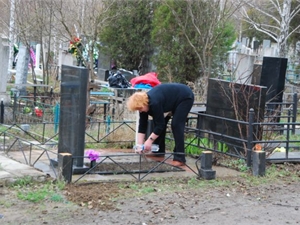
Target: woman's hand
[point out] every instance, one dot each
(147, 145)
(139, 149)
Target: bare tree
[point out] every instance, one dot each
(84, 20)
(274, 20)
(30, 23)
(52, 22)
(208, 20)
(26, 25)
(7, 25)
(4, 18)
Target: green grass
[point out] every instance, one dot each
(139, 188)
(238, 164)
(293, 137)
(2, 128)
(5, 204)
(33, 196)
(56, 198)
(22, 182)
(94, 145)
(280, 171)
(171, 185)
(197, 145)
(29, 190)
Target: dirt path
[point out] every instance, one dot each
(179, 201)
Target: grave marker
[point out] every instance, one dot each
(73, 113)
(22, 69)
(220, 101)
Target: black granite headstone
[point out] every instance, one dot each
(73, 102)
(233, 101)
(273, 77)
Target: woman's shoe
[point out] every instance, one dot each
(177, 163)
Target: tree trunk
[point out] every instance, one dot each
(284, 28)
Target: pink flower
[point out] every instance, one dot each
(92, 154)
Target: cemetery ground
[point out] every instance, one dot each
(239, 198)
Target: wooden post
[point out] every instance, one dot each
(259, 163)
(65, 167)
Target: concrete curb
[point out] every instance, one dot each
(11, 170)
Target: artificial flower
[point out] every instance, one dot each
(92, 154)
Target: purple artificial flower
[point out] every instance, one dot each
(92, 154)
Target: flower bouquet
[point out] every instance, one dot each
(93, 156)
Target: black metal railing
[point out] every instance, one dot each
(102, 132)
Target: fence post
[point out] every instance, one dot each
(51, 95)
(288, 135)
(56, 117)
(44, 130)
(205, 170)
(2, 111)
(65, 167)
(259, 163)
(15, 107)
(295, 105)
(4, 143)
(250, 137)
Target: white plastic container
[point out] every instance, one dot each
(140, 148)
(154, 148)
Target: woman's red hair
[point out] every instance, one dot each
(137, 101)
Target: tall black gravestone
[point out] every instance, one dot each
(233, 101)
(273, 77)
(73, 102)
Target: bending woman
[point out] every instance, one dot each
(164, 98)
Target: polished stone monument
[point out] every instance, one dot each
(73, 102)
(234, 101)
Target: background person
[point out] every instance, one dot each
(172, 97)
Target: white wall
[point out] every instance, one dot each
(64, 58)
